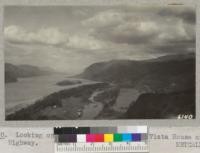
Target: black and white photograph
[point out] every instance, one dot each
(99, 62)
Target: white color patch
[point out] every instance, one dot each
(81, 138)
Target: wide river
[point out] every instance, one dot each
(27, 90)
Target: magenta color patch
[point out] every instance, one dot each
(90, 137)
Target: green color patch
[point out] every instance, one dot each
(117, 137)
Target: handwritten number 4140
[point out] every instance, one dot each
(185, 116)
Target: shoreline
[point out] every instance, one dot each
(56, 101)
(12, 107)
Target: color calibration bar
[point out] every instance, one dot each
(101, 139)
(96, 130)
(108, 137)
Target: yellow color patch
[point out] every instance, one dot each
(108, 137)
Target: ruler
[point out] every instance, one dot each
(101, 147)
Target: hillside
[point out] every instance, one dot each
(65, 104)
(13, 72)
(164, 74)
(163, 88)
(163, 106)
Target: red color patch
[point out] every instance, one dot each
(99, 138)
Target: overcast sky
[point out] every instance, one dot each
(70, 38)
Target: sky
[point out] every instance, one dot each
(70, 38)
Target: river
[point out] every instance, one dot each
(27, 90)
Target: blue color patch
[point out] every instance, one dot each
(126, 137)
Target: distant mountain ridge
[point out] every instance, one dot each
(168, 73)
(13, 72)
(167, 84)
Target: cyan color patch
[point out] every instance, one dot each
(126, 137)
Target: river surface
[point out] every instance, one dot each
(27, 90)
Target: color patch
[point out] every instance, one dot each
(126, 137)
(72, 130)
(101, 134)
(90, 137)
(67, 138)
(100, 130)
(117, 137)
(81, 138)
(136, 137)
(108, 137)
(99, 138)
(144, 137)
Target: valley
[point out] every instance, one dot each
(118, 89)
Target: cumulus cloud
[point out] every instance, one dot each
(50, 36)
(142, 28)
(134, 32)
(84, 42)
(105, 19)
(78, 36)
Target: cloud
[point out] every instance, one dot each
(50, 36)
(83, 42)
(15, 33)
(104, 19)
(141, 27)
(185, 13)
(176, 47)
(118, 28)
(95, 34)
(134, 32)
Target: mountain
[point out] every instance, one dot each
(13, 72)
(164, 74)
(163, 105)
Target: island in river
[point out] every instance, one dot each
(118, 89)
(85, 101)
(77, 99)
